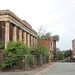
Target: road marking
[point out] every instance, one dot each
(46, 69)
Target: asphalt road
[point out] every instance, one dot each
(61, 69)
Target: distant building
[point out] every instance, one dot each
(51, 44)
(73, 46)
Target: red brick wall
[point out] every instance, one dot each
(47, 43)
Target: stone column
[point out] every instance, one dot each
(14, 33)
(28, 40)
(20, 34)
(7, 24)
(24, 37)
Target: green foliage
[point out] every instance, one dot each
(68, 53)
(56, 38)
(42, 49)
(13, 49)
(57, 49)
(59, 55)
(31, 59)
(16, 48)
(62, 61)
(47, 57)
(73, 58)
(2, 45)
(46, 36)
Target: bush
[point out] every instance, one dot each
(43, 50)
(73, 58)
(2, 45)
(14, 54)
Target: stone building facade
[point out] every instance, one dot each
(13, 28)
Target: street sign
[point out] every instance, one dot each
(23, 60)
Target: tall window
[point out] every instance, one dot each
(51, 44)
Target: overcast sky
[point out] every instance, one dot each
(57, 16)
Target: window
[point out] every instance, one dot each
(51, 44)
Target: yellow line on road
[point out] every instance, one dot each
(46, 69)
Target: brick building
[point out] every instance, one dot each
(73, 46)
(51, 44)
(13, 28)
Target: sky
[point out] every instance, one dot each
(56, 16)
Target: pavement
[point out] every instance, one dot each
(62, 68)
(36, 71)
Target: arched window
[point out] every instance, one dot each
(51, 44)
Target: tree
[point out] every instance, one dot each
(57, 49)
(56, 38)
(42, 53)
(68, 53)
(40, 49)
(46, 36)
(59, 55)
(42, 34)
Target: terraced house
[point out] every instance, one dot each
(13, 28)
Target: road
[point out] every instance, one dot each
(53, 68)
(61, 69)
